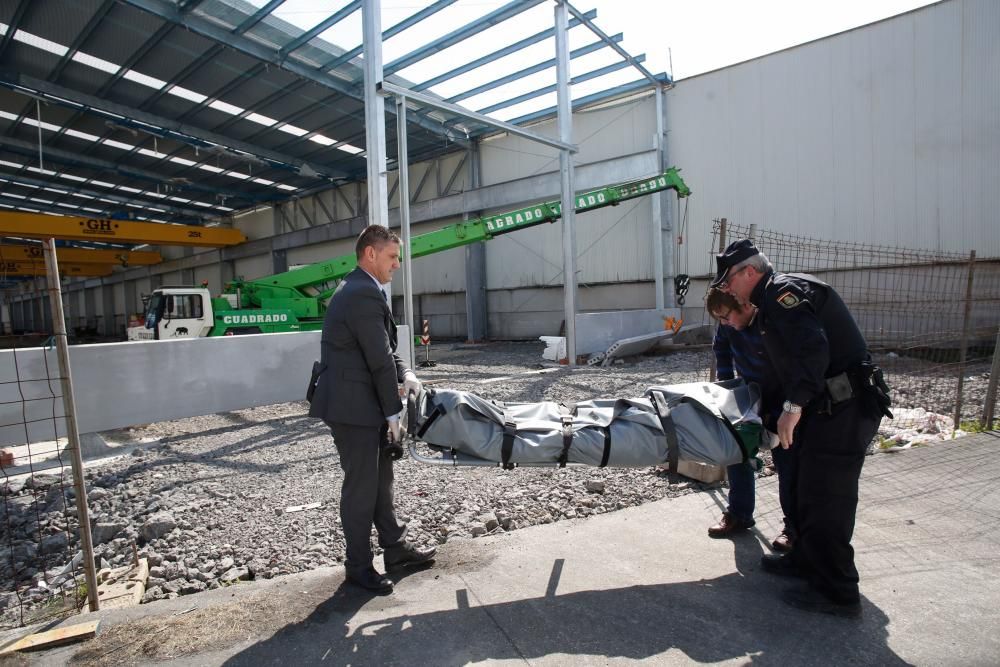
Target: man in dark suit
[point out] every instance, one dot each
(358, 396)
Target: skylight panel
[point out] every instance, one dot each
(40, 43)
(96, 63)
(226, 107)
(144, 79)
(190, 95)
(261, 119)
(293, 130)
(348, 148)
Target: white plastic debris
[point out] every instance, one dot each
(555, 347)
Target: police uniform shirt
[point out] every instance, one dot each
(808, 332)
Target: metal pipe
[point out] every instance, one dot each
(991, 388)
(387, 88)
(378, 206)
(565, 117)
(404, 216)
(607, 40)
(965, 341)
(72, 432)
(658, 207)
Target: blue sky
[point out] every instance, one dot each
(686, 37)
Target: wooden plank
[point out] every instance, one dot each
(41, 226)
(55, 637)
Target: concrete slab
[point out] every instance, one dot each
(648, 584)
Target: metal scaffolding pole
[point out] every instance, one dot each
(658, 207)
(378, 205)
(403, 162)
(72, 433)
(378, 200)
(565, 115)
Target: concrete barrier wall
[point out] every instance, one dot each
(117, 385)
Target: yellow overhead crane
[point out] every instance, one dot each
(37, 268)
(33, 253)
(40, 226)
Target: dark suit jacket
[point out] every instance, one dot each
(360, 384)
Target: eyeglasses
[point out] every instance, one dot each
(729, 278)
(724, 318)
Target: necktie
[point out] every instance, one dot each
(384, 295)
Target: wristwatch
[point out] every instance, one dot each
(791, 408)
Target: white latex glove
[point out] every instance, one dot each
(411, 383)
(394, 434)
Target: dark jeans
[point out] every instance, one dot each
(787, 466)
(741, 490)
(366, 496)
(831, 453)
(742, 486)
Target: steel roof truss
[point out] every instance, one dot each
(78, 159)
(322, 26)
(528, 71)
(67, 191)
(408, 22)
(211, 31)
(538, 92)
(508, 11)
(496, 55)
(186, 132)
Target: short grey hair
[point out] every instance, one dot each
(759, 262)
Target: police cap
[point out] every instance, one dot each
(735, 252)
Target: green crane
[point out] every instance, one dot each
(296, 300)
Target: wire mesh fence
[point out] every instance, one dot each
(931, 320)
(42, 570)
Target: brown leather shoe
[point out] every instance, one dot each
(783, 543)
(729, 525)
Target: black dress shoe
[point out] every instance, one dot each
(809, 599)
(407, 555)
(783, 566)
(371, 580)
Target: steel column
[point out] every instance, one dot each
(378, 203)
(475, 269)
(565, 116)
(403, 162)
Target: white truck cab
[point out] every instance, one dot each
(175, 312)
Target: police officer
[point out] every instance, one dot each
(834, 398)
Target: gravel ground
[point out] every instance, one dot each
(254, 493)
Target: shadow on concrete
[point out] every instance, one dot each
(734, 616)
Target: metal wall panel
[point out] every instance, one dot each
(887, 134)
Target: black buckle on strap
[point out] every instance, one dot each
(567, 431)
(507, 448)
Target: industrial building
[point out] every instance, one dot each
(885, 134)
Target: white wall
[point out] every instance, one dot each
(887, 134)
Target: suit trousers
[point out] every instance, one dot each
(366, 495)
(831, 452)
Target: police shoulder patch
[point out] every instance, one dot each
(789, 299)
